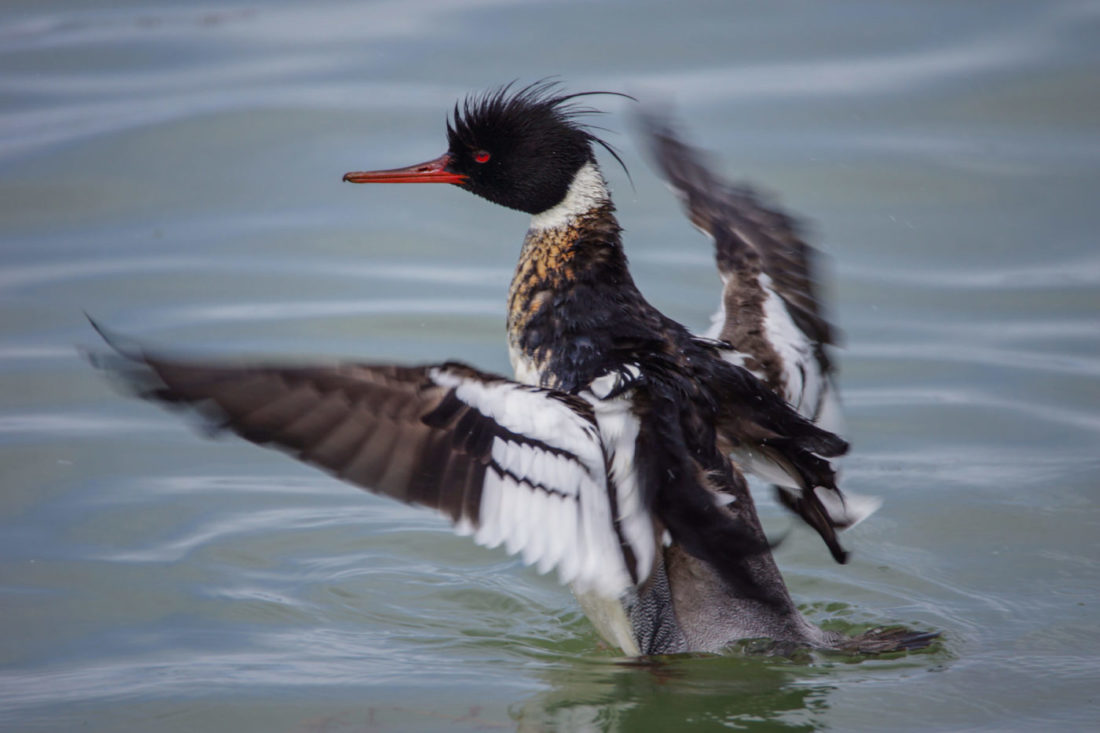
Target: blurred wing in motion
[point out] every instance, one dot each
(771, 316)
(750, 240)
(508, 463)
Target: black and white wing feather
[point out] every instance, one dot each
(770, 313)
(509, 464)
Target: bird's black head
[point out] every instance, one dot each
(517, 148)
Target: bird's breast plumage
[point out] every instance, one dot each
(563, 304)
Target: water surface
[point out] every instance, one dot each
(175, 170)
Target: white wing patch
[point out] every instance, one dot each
(847, 509)
(830, 415)
(545, 493)
(619, 431)
(805, 383)
(808, 390)
(762, 466)
(800, 369)
(526, 371)
(529, 412)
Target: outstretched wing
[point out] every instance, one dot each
(772, 316)
(745, 231)
(508, 463)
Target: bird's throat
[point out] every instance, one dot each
(587, 192)
(564, 274)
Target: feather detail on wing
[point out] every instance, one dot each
(508, 463)
(742, 229)
(771, 315)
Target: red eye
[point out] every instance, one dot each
(481, 156)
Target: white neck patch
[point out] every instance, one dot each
(587, 191)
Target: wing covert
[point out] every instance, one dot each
(743, 228)
(772, 315)
(508, 463)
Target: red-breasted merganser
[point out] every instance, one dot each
(607, 457)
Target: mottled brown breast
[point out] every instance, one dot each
(545, 265)
(572, 302)
(548, 264)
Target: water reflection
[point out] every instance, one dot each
(743, 693)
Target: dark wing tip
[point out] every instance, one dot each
(135, 371)
(124, 362)
(806, 505)
(745, 399)
(827, 444)
(122, 345)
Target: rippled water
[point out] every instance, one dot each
(176, 171)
